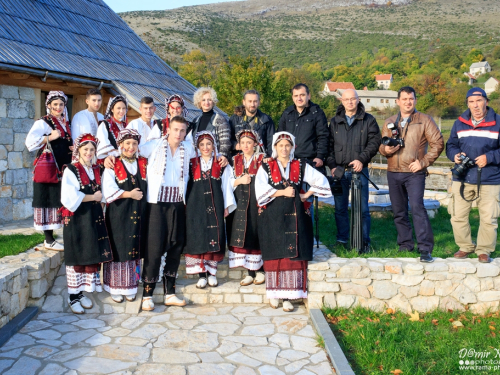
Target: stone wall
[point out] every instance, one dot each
(17, 112)
(438, 179)
(25, 279)
(405, 284)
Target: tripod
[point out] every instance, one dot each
(357, 240)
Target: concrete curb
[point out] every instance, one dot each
(332, 346)
(12, 327)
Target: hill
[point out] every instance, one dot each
(329, 32)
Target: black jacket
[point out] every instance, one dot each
(360, 141)
(310, 129)
(263, 125)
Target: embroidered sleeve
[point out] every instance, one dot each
(71, 196)
(232, 177)
(319, 184)
(110, 189)
(263, 191)
(227, 190)
(35, 137)
(105, 148)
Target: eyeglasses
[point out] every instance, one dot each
(350, 100)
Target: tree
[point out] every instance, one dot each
(496, 52)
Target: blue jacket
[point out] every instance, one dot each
(476, 141)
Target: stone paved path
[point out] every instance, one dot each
(215, 339)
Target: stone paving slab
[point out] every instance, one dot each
(196, 339)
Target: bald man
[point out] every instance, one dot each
(354, 141)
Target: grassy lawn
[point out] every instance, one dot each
(17, 243)
(383, 235)
(383, 343)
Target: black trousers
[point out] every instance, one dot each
(165, 238)
(409, 187)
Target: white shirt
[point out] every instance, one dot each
(105, 148)
(173, 168)
(71, 196)
(84, 122)
(142, 127)
(37, 133)
(110, 189)
(264, 191)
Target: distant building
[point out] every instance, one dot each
(383, 81)
(479, 68)
(331, 87)
(471, 78)
(491, 85)
(374, 99)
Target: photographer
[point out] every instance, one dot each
(474, 147)
(411, 142)
(354, 141)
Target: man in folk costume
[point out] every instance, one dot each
(124, 189)
(85, 236)
(50, 132)
(174, 106)
(115, 119)
(87, 121)
(241, 224)
(144, 124)
(285, 225)
(167, 177)
(209, 199)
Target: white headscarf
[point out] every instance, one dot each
(278, 137)
(205, 134)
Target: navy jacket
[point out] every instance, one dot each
(476, 141)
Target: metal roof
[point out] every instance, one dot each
(86, 38)
(480, 64)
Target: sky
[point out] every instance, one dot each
(129, 5)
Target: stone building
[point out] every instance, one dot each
(374, 99)
(97, 49)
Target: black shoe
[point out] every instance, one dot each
(344, 245)
(426, 257)
(366, 249)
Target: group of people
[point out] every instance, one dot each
(135, 196)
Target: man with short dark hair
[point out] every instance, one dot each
(475, 136)
(87, 121)
(307, 122)
(145, 123)
(419, 143)
(354, 141)
(252, 118)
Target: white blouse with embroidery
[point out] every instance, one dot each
(110, 189)
(71, 196)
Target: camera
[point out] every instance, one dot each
(393, 142)
(393, 128)
(335, 186)
(460, 170)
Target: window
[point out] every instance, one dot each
(368, 100)
(387, 101)
(381, 100)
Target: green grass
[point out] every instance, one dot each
(381, 343)
(14, 244)
(383, 235)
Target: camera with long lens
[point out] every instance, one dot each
(335, 186)
(460, 170)
(393, 142)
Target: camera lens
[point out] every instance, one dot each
(386, 141)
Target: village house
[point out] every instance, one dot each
(71, 46)
(331, 87)
(373, 99)
(471, 78)
(478, 68)
(383, 81)
(491, 85)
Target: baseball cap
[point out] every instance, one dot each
(476, 91)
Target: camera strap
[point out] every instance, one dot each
(405, 130)
(462, 187)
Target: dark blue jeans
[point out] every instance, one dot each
(409, 187)
(341, 208)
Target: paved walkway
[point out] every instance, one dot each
(24, 227)
(215, 339)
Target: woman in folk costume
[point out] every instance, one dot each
(86, 242)
(174, 106)
(115, 119)
(241, 225)
(51, 130)
(285, 225)
(124, 189)
(209, 199)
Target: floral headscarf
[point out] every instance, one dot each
(83, 138)
(200, 136)
(128, 134)
(54, 95)
(111, 104)
(252, 134)
(178, 99)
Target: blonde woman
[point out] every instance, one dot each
(205, 98)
